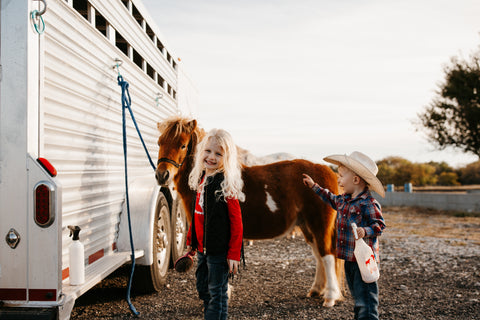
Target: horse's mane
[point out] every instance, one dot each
(175, 125)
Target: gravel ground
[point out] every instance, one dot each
(429, 270)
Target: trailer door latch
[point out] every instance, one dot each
(12, 238)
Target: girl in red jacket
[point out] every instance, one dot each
(216, 231)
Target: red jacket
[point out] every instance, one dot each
(222, 221)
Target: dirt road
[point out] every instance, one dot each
(430, 269)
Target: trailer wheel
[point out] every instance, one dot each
(152, 278)
(180, 229)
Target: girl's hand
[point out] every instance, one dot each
(191, 251)
(233, 266)
(308, 181)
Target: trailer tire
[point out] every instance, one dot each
(152, 278)
(179, 230)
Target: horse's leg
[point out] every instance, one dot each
(318, 286)
(325, 281)
(332, 290)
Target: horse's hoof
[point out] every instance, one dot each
(313, 293)
(328, 303)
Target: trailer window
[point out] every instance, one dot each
(121, 43)
(137, 59)
(160, 46)
(150, 32)
(160, 81)
(150, 71)
(136, 14)
(100, 23)
(81, 6)
(125, 2)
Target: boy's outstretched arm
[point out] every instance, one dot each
(324, 194)
(308, 181)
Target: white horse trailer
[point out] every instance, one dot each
(60, 101)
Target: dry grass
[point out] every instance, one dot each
(432, 223)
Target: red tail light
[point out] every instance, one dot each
(48, 166)
(44, 213)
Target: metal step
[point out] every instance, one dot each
(97, 271)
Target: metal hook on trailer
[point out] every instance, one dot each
(118, 63)
(158, 97)
(37, 18)
(41, 12)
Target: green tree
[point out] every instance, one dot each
(448, 179)
(470, 174)
(453, 117)
(441, 167)
(423, 174)
(395, 170)
(445, 174)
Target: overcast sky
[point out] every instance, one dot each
(317, 77)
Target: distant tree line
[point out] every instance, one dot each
(398, 171)
(453, 117)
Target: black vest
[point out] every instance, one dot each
(216, 226)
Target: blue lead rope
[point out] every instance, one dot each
(126, 103)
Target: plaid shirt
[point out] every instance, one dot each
(364, 210)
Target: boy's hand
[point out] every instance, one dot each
(233, 266)
(308, 181)
(361, 233)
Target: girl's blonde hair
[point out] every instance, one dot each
(232, 184)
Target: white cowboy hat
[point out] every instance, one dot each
(362, 165)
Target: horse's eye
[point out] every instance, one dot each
(183, 147)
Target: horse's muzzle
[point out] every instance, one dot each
(162, 177)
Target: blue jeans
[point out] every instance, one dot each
(365, 294)
(212, 285)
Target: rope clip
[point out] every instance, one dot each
(37, 18)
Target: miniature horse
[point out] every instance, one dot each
(276, 199)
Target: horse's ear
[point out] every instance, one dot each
(191, 125)
(197, 136)
(160, 127)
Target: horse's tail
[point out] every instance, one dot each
(339, 267)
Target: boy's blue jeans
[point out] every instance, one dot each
(365, 294)
(212, 285)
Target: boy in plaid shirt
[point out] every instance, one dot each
(357, 176)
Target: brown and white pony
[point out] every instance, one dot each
(276, 199)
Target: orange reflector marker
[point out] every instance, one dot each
(48, 166)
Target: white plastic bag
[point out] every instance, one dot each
(365, 259)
